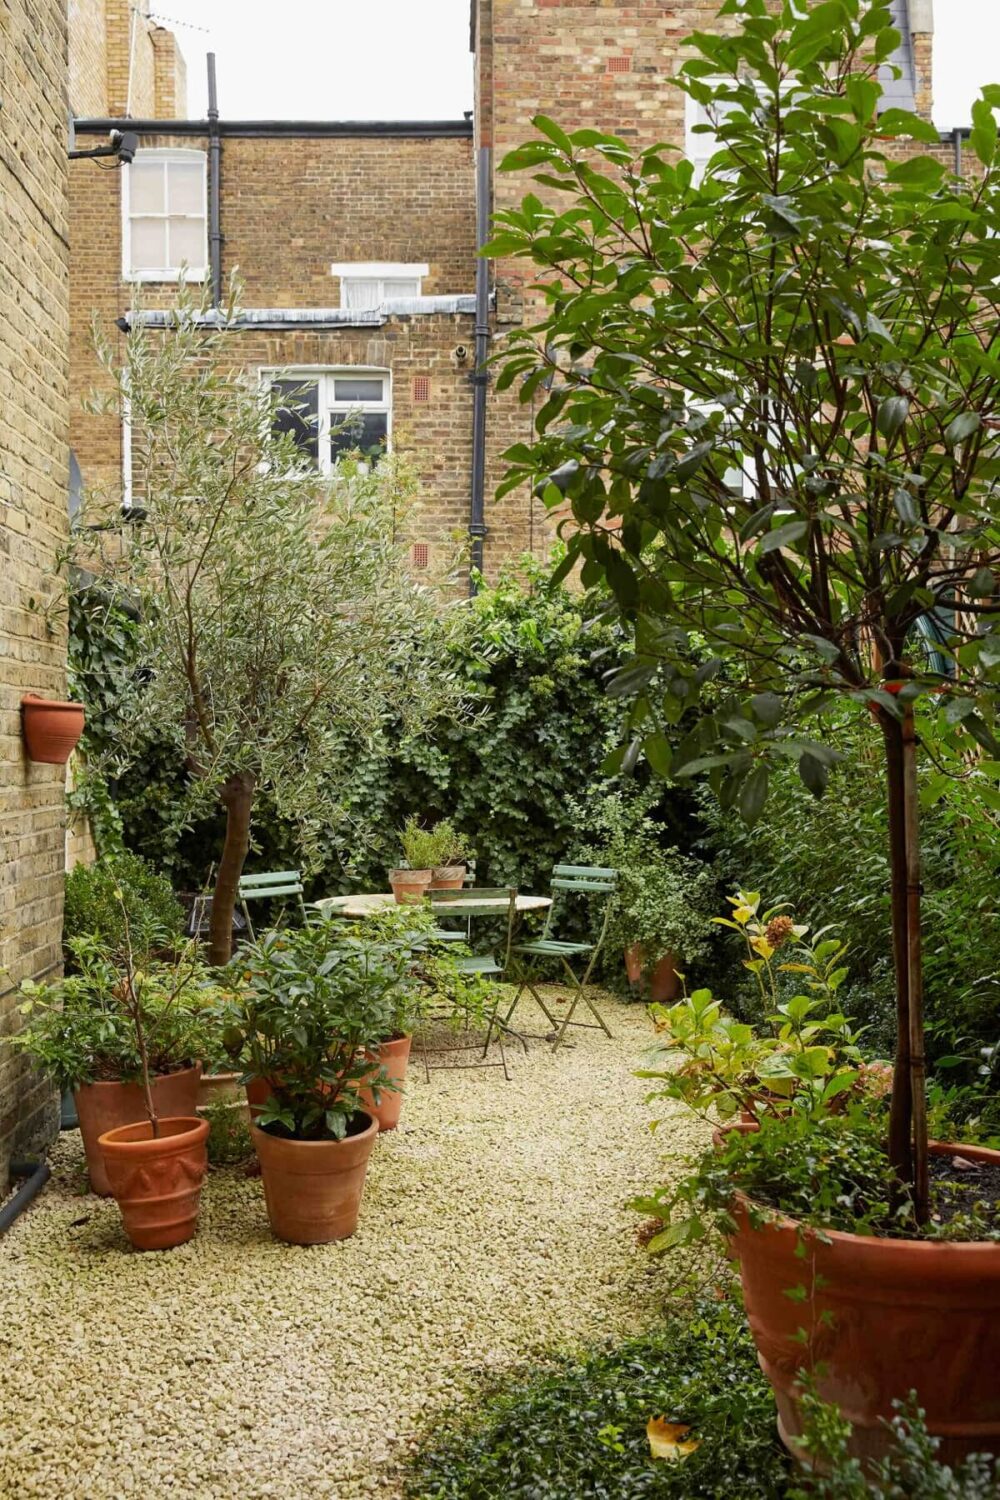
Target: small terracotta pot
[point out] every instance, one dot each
(393, 1057)
(409, 886)
(881, 1317)
(104, 1106)
(156, 1180)
(51, 728)
(447, 878)
(660, 982)
(313, 1188)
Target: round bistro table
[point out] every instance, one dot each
(369, 902)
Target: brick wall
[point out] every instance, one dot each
(33, 519)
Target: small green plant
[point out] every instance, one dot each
(912, 1470)
(429, 848)
(429, 974)
(578, 1425)
(83, 1029)
(229, 1139)
(94, 903)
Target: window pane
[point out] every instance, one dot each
(352, 388)
(185, 187)
(366, 430)
(145, 185)
(298, 414)
(360, 295)
(187, 244)
(149, 244)
(398, 287)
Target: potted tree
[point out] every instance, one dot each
(312, 1007)
(81, 1031)
(775, 424)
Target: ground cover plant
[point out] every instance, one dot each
(579, 1425)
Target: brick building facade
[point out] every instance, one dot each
(356, 243)
(34, 337)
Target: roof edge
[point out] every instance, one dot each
(288, 129)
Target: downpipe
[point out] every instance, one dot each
(36, 1174)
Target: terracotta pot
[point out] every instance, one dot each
(882, 1317)
(660, 982)
(51, 728)
(393, 1056)
(156, 1180)
(214, 1088)
(409, 886)
(313, 1188)
(104, 1106)
(258, 1093)
(447, 878)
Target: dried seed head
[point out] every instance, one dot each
(779, 930)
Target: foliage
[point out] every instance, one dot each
(824, 1170)
(94, 903)
(229, 1140)
(577, 1425)
(276, 610)
(770, 408)
(82, 1029)
(912, 1471)
(430, 848)
(101, 646)
(663, 897)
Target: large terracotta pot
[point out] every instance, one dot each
(660, 982)
(313, 1188)
(882, 1317)
(51, 728)
(156, 1180)
(393, 1057)
(216, 1088)
(104, 1106)
(409, 886)
(447, 878)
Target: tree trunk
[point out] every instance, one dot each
(237, 798)
(908, 1119)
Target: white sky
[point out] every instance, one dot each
(408, 59)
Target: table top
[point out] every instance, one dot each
(364, 904)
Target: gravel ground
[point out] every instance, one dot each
(493, 1226)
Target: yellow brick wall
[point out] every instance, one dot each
(33, 518)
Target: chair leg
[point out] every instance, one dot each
(584, 988)
(567, 1018)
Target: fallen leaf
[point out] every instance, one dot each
(963, 1165)
(667, 1439)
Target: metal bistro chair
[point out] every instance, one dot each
(489, 901)
(588, 880)
(267, 885)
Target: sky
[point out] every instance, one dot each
(409, 59)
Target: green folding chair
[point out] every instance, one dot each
(587, 880)
(268, 885)
(467, 906)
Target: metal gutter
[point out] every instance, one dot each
(480, 376)
(285, 129)
(214, 186)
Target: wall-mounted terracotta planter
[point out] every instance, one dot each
(51, 728)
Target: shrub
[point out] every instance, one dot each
(93, 908)
(578, 1425)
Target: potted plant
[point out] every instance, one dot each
(82, 1034)
(430, 858)
(801, 462)
(312, 1006)
(51, 728)
(448, 870)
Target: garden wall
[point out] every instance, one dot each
(34, 333)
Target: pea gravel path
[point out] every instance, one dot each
(493, 1226)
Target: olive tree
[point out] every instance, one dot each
(771, 402)
(276, 613)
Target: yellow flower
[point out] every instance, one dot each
(742, 914)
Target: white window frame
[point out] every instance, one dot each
(380, 271)
(328, 407)
(164, 273)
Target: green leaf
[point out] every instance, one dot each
(782, 536)
(983, 135)
(904, 122)
(961, 427)
(753, 795)
(917, 171)
(814, 773)
(892, 413)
